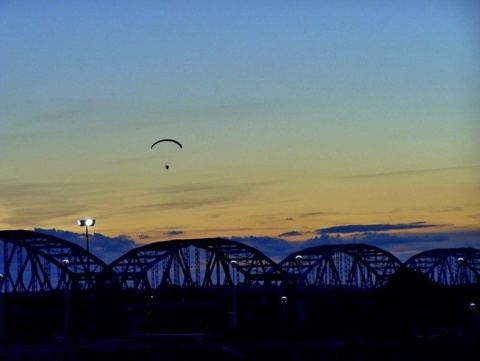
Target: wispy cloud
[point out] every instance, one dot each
(228, 112)
(201, 201)
(291, 234)
(317, 213)
(187, 196)
(213, 187)
(410, 172)
(37, 203)
(174, 233)
(362, 228)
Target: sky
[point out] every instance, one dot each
(299, 120)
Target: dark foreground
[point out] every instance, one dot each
(216, 347)
(410, 319)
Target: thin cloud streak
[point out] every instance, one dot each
(210, 187)
(291, 234)
(188, 203)
(362, 228)
(188, 196)
(38, 203)
(173, 233)
(410, 172)
(318, 213)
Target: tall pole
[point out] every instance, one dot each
(89, 288)
(299, 261)
(234, 295)
(88, 256)
(65, 264)
(86, 223)
(284, 301)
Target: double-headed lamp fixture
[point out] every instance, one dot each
(86, 222)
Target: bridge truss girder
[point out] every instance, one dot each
(352, 266)
(449, 266)
(201, 263)
(32, 262)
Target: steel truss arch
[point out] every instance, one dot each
(32, 262)
(449, 266)
(202, 263)
(352, 266)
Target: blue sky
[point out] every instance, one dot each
(295, 117)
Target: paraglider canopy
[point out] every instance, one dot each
(167, 140)
(167, 147)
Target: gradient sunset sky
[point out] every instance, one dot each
(296, 117)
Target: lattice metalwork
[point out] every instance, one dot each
(32, 262)
(355, 266)
(450, 266)
(194, 263)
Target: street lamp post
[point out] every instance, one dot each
(284, 301)
(233, 264)
(65, 264)
(298, 261)
(462, 278)
(88, 223)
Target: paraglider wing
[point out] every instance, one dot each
(167, 140)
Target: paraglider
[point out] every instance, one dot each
(167, 149)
